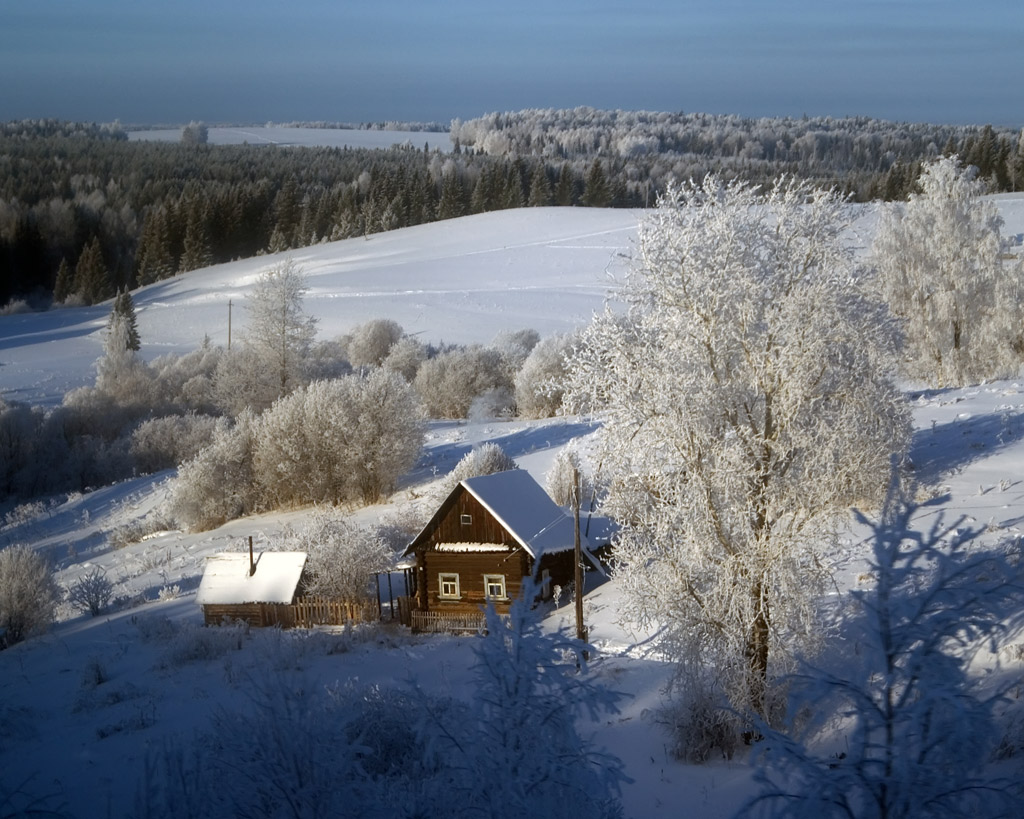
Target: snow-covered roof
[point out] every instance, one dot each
(226, 579)
(526, 511)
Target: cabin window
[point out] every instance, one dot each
(466, 520)
(449, 586)
(494, 586)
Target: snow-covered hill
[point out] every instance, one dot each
(82, 707)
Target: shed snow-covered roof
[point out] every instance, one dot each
(522, 507)
(226, 579)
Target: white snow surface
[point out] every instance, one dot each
(85, 744)
(227, 578)
(284, 136)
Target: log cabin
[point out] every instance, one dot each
(241, 586)
(489, 534)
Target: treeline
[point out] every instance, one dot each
(85, 213)
(869, 158)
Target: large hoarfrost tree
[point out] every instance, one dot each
(944, 270)
(747, 403)
(280, 333)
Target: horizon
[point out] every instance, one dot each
(928, 61)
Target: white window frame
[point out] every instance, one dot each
(498, 580)
(448, 578)
(466, 520)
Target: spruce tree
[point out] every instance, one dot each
(124, 308)
(92, 279)
(540, 187)
(597, 193)
(62, 288)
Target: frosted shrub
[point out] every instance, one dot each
(28, 593)
(405, 358)
(218, 484)
(540, 381)
(560, 480)
(163, 443)
(168, 593)
(91, 593)
(370, 343)
(343, 440)
(485, 459)
(186, 382)
(450, 382)
(342, 556)
(514, 346)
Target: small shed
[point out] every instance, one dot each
(241, 586)
(485, 537)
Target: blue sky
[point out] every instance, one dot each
(147, 62)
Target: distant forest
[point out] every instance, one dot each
(85, 213)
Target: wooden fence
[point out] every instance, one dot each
(445, 622)
(307, 612)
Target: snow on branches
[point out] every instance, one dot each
(747, 402)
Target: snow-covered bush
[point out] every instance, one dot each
(405, 358)
(218, 484)
(561, 479)
(370, 343)
(449, 382)
(343, 440)
(485, 459)
(747, 402)
(163, 443)
(91, 592)
(907, 725)
(186, 382)
(342, 557)
(539, 382)
(943, 269)
(28, 593)
(515, 346)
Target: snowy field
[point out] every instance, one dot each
(304, 137)
(82, 707)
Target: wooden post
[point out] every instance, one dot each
(252, 563)
(581, 629)
(229, 324)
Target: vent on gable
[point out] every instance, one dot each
(466, 520)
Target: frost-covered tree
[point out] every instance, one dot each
(120, 373)
(91, 593)
(342, 557)
(450, 382)
(485, 459)
(567, 481)
(746, 404)
(943, 269)
(539, 382)
(906, 727)
(28, 593)
(280, 332)
(405, 358)
(218, 484)
(342, 440)
(371, 342)
(124, 307)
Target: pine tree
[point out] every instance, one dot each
(451, 204)
(196, 252)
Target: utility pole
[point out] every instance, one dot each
(229, 324)
(581, 629)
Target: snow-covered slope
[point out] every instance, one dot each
(81, 707)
